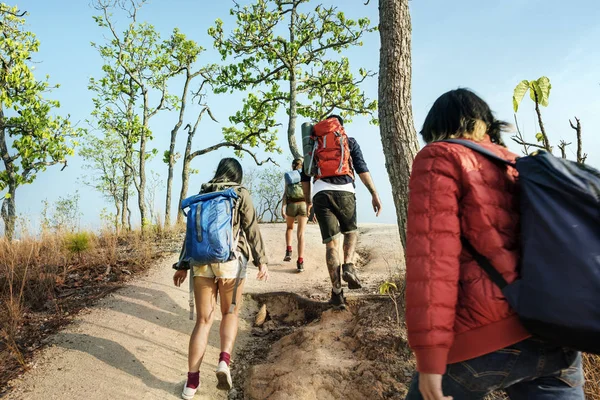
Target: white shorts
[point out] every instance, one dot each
(228, 270)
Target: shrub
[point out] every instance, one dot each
(77, 243)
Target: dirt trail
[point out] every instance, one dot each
(133, 345)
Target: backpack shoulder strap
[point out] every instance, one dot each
(485, 264)
(481, 150)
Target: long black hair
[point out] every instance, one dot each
(297, 163)
(461, 113)
(229, 170)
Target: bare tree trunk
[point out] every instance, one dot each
(125, 205)
(8, 209)
(292, 121)
(117, 215)
(141, 187)
(185, 174)
(172, 160)
(9, 213)
(293, 111)
(170, 179)
(185, 178)
(398, 135)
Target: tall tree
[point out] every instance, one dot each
(133, 90)
(31, 139)
(305, 62)
(186, 54)
(398, 135)
(104, 159)
(242, 141)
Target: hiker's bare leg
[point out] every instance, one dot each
(333, 263)
(229, 323)
(301, 228)
(350, 240)
(205, 294)
(289, 230)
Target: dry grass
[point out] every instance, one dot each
(591, 367)
(45, 278)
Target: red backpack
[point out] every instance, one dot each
(332, 152)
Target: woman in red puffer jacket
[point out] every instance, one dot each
(467, 340)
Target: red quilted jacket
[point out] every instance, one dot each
(454, 312)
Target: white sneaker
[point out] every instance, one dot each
(224, 377)
(188, 392)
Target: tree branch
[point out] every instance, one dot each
(235, 146)
(521, 142)
(545, 139)
(563, 148)
(580, 155)
(519, 138)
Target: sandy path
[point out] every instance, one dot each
(133, 345)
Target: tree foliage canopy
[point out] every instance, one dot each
(27, 124)
(278, 69)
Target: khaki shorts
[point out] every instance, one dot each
(228, 270)
(295, 210)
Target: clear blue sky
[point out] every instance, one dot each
(483, 45)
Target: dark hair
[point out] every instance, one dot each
(456, 114)
(229, 170)
(338, 118)
(296, 163)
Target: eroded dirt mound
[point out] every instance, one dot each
(355, 354)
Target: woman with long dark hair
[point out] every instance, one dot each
(220, 279)
(466, 338)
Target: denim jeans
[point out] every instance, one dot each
(529, 370)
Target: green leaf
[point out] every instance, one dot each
(519, 93)
(542, 88)
(539, 137)
(386, 287)
(7, 196)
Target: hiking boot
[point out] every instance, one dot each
(349, 276)
(337, 300)
(224, 376)
(300, 266)
(288, 256)
(188, 392)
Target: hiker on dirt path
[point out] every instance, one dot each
(467, 340)
(334, 200)
(294, 209)
(220, 279)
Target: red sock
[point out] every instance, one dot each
(300, 259)
(193, 380)
(225, 357)
(289, 248)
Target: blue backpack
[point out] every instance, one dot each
(209, 237)
(557, 296)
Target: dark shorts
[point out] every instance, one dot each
(336, 213)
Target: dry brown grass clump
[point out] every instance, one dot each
(591, 368)
(44, 280)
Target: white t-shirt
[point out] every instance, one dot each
(320, 186)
